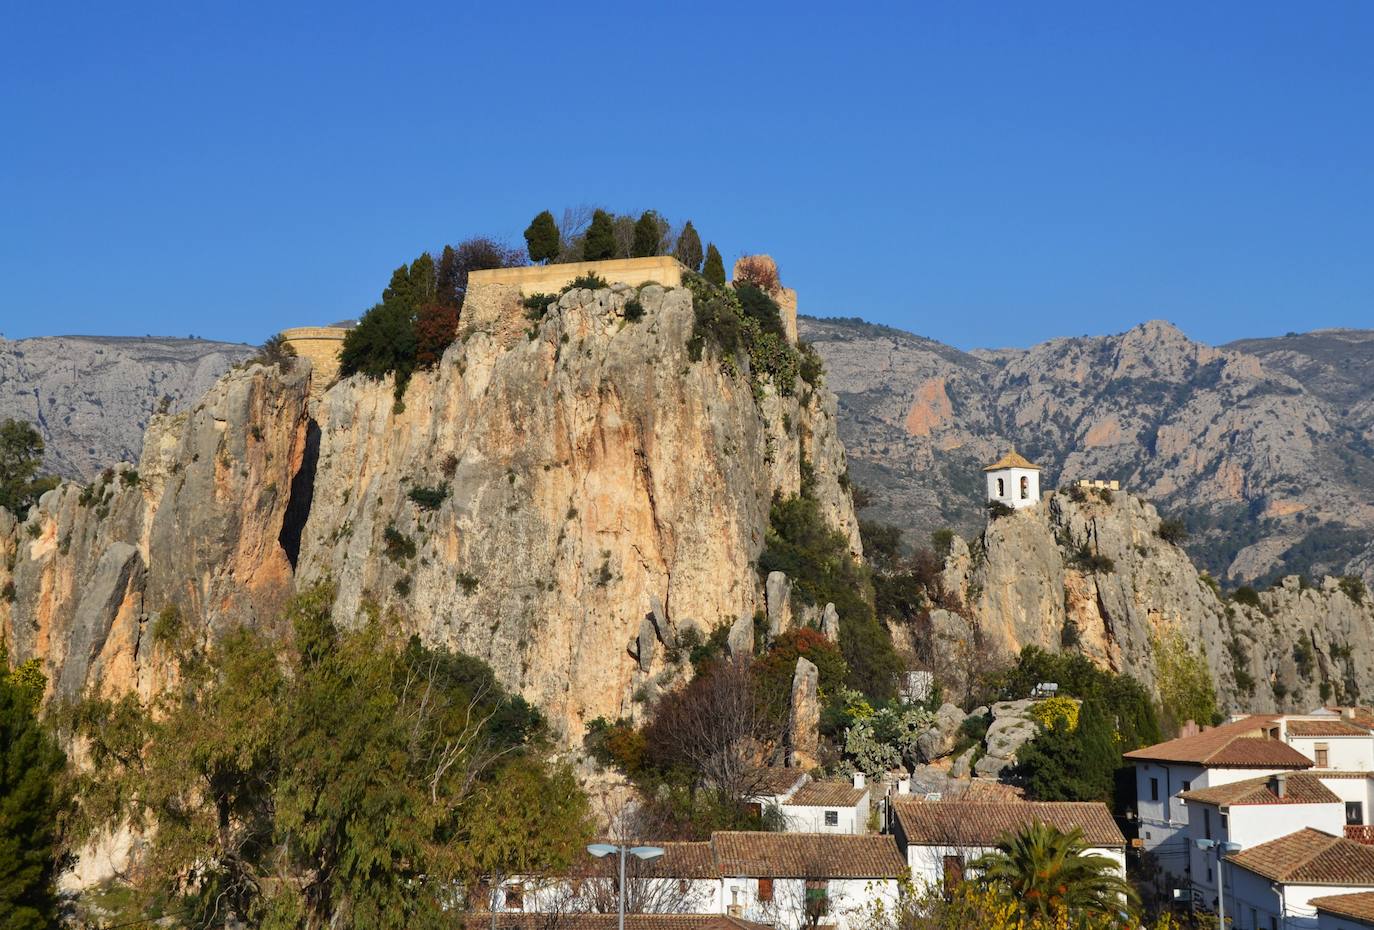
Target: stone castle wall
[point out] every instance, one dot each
(321, 345)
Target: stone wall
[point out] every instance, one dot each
(321, 345)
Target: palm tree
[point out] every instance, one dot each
(1048, 873)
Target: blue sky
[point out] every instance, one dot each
(985, 174)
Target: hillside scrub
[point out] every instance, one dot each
(744, 329)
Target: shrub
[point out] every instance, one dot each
(1353, 586)
(1050, 711)
(428, 498)
(590, 281)
(167, 625)
(276, 352)
(811, 368)
(758, 271)
(942, 540)
(1304, 659)
(7, 593)
(542, 239)
(398, 546)
(688, 250)
(722, 321)
(616, 744)
(468, 583)
(997, 509)
(1092, 561)
(634, 310)
(599, 243)
(714, 270)
(436, 326)
(1185, 684)
(1173, 531)
(1246, 595)
(758, 305)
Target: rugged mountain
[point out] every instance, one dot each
(564, 499)
(91, 397)
(1265, 447)
(1089, 571)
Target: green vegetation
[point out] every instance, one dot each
(276, 352)
(1246, 595)
(743, 333)
(634, 310)
(1353, 586)
(32, 802)
(714, 270)
(167, 626)
(21, 458)
(1049, 875)
(688, 249)
(590, 281)
(1068, 762)
(344, 781)
(997, 510)
(599, 243)
(1185, 684)
(649, 229)
(397, 545)
(427, 498)
(542, 238)
(1173, 531)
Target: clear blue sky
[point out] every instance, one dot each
(984, 174)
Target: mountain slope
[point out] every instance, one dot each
(1265, 447)
(91, 397)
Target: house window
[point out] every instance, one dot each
(1254, 918)
(1354, 812)
(1323, 755)
(953, 868)
(515, 897)
(683, 886)
(1187, 786)
(1025, 487)
(1001, 488)
(1154, 789)
(765, 890)
(817, 898)
(832, 818)
(1209, 874)
(1223, 820)
(1207, 826)
(1273, 922)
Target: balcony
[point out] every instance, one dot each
(1360, 833)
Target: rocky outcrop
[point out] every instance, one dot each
(1093, 575)
(804, 717)
(1266, 446)
(939, 739)
(91, 397)
(1011, 728)
(562, 505)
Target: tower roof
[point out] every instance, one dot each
(1012, 459)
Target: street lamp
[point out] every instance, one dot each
(601, 850)
(1223, 849)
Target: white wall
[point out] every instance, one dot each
(849, 900)
(1250, 825)
(1290, 905)
(1011, 486)
(852, 820)
(928, 862)
(1344, 753)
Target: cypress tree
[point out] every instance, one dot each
(30, 802)
(542, 238)
(688, 249)
(715, 268)
(647, 235)
(600, 242)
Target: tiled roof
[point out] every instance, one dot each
(1358, 906)
(773, 780)
(518, 921)
(927, 823)
(1310, 857)
(1301, 788)
(830, 792)
(807, 855)
(1238, 744)
(1325, 728)
(1012, 459)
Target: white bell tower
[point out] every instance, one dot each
(1013, 481)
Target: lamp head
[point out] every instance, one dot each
(646, 852)
(1229, 848)
(601, 849)
(1205, 844)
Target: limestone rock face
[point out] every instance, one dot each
(1093, 575)
(1264, 443)
(938, 741)
(804, 721)
(1011, 728)
(598, 487)
(778, 591)
(91, 397)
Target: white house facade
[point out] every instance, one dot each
(828, 806)
(1274, 886)
(1353, 911)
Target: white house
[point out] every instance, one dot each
(1333, 743)
(832, 805)
(1251, 813)
(939, 839)
(1237, 751)
(779, 879)
(1274, 885)
(1345, 911)
(774, 785)
(1013, 481)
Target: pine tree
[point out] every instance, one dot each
(648, 234)
(715, 268)
(600, 242)
(21, 456)
(30, 803)
(688, 249)
(542, 238)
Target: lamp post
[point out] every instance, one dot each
(601, 850)
(1222, 850)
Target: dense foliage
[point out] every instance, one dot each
(1047, 873)
(542, 238)
(714, 269)
(744, 338)
(599, 243)
(21, 457)
(648, 240)
(31, 803)
(357, 782)
(688, 248)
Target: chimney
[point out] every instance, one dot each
(904, 786)
(1347, 713)
(859, 781)
(1279, 785)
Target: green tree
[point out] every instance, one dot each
(1051, 874)
(21, 456)
(648, 235)
(542, 238)
(1071, 763)
(715, 268)
(688, 249)
(31, 805)
(600, 241)
(1186, 691)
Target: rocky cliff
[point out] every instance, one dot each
(1092, 574)
(91, 397)
(1265, 447)
(565, 500)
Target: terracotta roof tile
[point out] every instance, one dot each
(517, 921)
(1310, 857)
(1238, 744)
(1302, 788)
(807, 855)
(679, 860)
(983, 823)
(830, 792)
(1012, 459)
(1357, 906)
(772, 780)
(1325, 728)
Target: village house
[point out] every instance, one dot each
(939, 839)
(831, 805)
(780, 879)
(1275, 885)
(1345, 911)
(522, 921)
